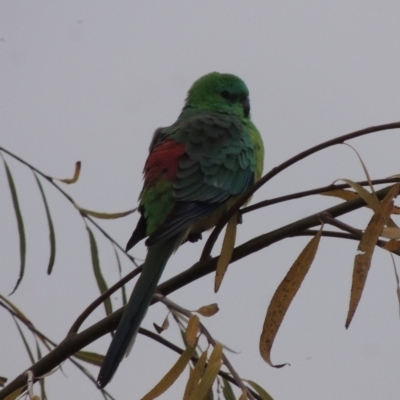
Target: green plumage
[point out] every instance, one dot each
(195, 170)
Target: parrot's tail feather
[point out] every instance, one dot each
(137, 306)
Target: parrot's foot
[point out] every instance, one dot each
(194, 237)
(239, 217)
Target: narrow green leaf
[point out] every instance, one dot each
(228, 391)
(90, 357)
(41, 380)
(369, 198)
(17, 311)
(123, 291)
(28, 349)
(52, 236)
(262, 392)
(20, 222)
(101, 283)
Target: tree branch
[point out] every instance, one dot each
(275, 171)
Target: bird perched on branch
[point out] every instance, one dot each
(195, 171)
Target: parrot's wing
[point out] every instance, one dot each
(218, 163)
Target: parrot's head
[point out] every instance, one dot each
(220, 92)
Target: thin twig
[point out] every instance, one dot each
(311, 192)
(78, 322)
(275, 171)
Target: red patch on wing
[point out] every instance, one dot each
(163, 161)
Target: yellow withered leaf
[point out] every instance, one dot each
(362, 262)
(348, 195)
(192, 330)
(283, 297)
(172, 375)
(211, 372)
(342, 194)
(14, 395)
(216, 354)
(195, 375)
(208, 311)
(368, 197)
(226, 252)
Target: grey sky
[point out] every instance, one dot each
(91, 81)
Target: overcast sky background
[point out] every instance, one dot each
(92, 80)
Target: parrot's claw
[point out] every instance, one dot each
(194, 237)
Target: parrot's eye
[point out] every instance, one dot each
(226, 95)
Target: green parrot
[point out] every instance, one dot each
(195, 171)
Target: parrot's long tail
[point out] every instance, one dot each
(156, 259)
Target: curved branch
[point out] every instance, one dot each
(75, 342)
(311, 192)
(105, 295)
(275, 171)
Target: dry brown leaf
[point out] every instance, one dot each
(208, 311)
(75, 177)
(362, 262)
(163, 327)
(390, 232)
(283, 297)
(392, 245)
(226, 252)
(396, 210)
